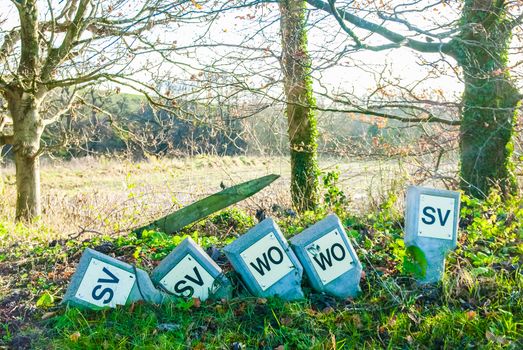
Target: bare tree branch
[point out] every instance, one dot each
(396, 38)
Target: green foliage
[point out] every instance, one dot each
(235, 218)
(45, 301)
(415, 262)
(334, 198)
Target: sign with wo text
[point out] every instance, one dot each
(266, 263)
(328, 258)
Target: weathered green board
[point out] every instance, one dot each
(209, 205)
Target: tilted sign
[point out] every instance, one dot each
(269, 266)
(189, 272)
(266, 263)
(105, 285)
(328, 258)
(101, 281)
(431, 224)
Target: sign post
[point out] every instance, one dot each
(328, 258)
(266, 263)
(189, 272)
(101, 281)
(431, 224)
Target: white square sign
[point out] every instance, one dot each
(104, 284)
(330, 256)
(188, 279)
(267, 261)
(436, 217)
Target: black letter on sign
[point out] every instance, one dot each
(113, 278)
(342, 251)
(101, 295)
(323, 261)
(280, 258)
(180, 290)
(326, 259)
(199, 280)
(265, 265)
(262, 264)
(426, 212)
(443, 220)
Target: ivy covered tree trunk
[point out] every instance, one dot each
(301, 121)
(28, 130)
(489, 101)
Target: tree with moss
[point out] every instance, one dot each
(479, 42)
(302, 130)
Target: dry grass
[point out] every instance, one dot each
(111, 196)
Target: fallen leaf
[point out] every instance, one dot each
(261, 301)
(131, 308)
(196, 302)
(48, 315)
(392, 321)
(413, 318)
(496, 338)
(356, 319)
(470, 315)
(240, 310)
(286, 321)
(75, 336)
(328, 310)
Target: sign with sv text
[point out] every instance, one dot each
(105, 285)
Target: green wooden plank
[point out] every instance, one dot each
(207, 206)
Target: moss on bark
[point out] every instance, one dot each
(489, 101)
(302, 129)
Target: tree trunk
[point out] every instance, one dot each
(489, 100)
(301, 121)
(28, 129)
(28, 204)
(486, 144)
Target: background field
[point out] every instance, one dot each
(98, 193)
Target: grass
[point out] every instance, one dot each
(111, 195)
(479, 303)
